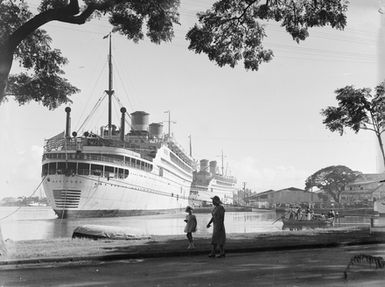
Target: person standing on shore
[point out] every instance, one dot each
(219, 232)
(191, 226)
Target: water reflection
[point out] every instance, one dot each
(31, 223)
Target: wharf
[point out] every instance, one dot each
(229, 208)
(77, 250)
(341, 211)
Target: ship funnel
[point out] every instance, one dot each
(122, 123)
(213, 167)
(139, 121)
(156, 130)
(204, 165)
(68, 122)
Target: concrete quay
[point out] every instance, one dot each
(176, 246)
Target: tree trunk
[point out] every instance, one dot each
(67, 14)
(381, 147)
(3, 249)
(5, 67)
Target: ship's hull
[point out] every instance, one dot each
(68, 213)
(92, 196)
(200, 196)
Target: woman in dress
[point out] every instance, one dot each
(219, 232)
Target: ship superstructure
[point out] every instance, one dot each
(208, 182)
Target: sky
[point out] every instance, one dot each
(267, 123)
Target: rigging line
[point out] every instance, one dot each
(124, 86)
(92, 92)
(92, 111)
(120, 105)
(13, 212)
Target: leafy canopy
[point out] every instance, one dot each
(358, 109)
(22, 40)
(331, 180)
(233, 30)
(228, 32)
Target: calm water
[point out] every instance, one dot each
(30, 223)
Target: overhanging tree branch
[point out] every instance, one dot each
(79, 19)
(368, 129)
(39, 20)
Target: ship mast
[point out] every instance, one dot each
(222, 162)
(169, 121)
(110, 90)
(190, 145)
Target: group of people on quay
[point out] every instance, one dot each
(218, 238)
(300, 213)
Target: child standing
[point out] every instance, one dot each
(191, 226)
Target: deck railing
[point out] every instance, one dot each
(78, 143)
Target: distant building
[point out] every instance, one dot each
(241, 196)
(8, 201)
(364, 191)
(284, 197)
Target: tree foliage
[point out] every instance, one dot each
(23, 40)
(358, 109)
(331, 180)
(231, 30)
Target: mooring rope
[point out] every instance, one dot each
(17, 209)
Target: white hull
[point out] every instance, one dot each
(201, 195)
(166, 187)
(84, 194)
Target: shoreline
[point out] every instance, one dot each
(76, 250)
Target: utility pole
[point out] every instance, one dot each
(244, 191)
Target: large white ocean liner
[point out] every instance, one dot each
(208, 182)
(114, 173)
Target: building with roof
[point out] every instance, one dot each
(364, 191)
(284, 197)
